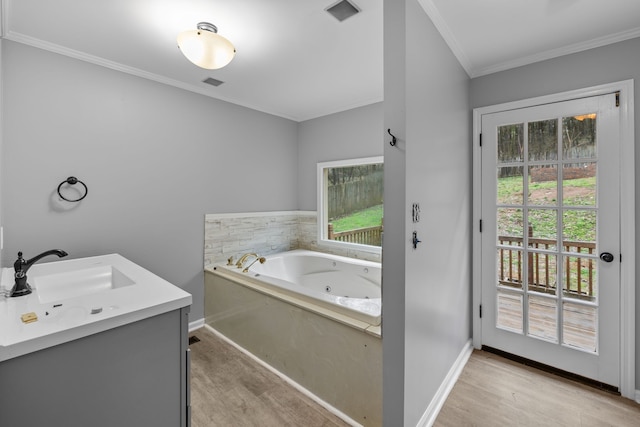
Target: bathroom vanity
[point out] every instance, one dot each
(109, 348)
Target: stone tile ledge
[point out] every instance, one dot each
(232, 234)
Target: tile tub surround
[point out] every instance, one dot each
(339, 363)
(266, 233)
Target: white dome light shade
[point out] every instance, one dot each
(205, 48)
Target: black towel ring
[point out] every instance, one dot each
(72, 180)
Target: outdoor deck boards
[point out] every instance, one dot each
(580, 322)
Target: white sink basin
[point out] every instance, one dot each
(78, 297)
(71, 284)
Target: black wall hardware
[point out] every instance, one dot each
(415, 212)
(394, 141)
(72, 180)
(415, 240)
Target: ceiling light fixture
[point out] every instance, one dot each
(205, 48)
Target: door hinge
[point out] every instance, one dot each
(617, 99)
(480, 140)
(481, 311)
(481, 226)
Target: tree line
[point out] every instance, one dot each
(578, 140)
(352, 173)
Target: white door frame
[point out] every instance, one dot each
(627, 217)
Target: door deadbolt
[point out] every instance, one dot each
(606, 256)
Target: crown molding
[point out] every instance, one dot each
(82, 56)
(475, 71)
(555, 53)
(446, 33)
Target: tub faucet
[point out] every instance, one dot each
(20, 267)
(261, 259)
(244, 257)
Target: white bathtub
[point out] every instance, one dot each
(347, 286)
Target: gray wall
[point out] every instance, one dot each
(155, 159)
(347, 135)
(395, 214)
(438, 273)
(431, 310)
(1, 134)
(620, 61)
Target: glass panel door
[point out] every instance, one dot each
(547, 171)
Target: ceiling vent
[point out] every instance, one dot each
(342, 10)
(213, 82)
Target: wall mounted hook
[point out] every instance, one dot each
(394, 140)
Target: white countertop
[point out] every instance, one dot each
(64, 320)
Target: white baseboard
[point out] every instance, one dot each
(429, 416)
(288, 380)
(637, 396)
(196, 324)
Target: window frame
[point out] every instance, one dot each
(323, 209)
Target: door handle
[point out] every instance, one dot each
(415, 240)
(606, 256)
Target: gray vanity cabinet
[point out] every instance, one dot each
(132, 375)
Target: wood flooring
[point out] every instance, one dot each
(230, 389)
(494, 391)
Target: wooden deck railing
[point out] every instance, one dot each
(365, 236)
(579, 274)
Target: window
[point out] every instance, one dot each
(350, 203)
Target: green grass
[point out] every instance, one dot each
(578, 225)
(370, 217)
(510, 191)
